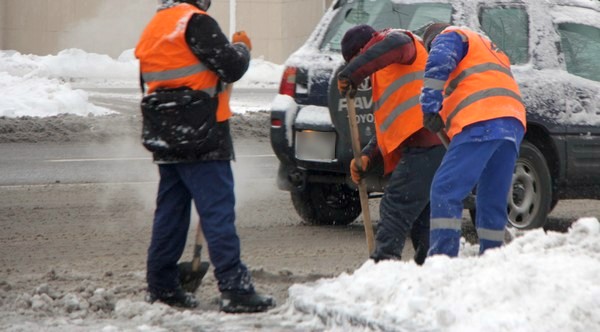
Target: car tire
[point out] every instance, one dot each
(530, 197)
(326, 204)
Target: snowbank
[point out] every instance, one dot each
(42, 86)
(539, 282)
(42, 97)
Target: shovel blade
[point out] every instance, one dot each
(189, 279)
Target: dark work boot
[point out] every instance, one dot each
(387, 247)
(378, 257)
(232, 302)
(383, 253)
(174, 298)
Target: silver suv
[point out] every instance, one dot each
(554, 47)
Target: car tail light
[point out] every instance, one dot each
(277, 123)
(288, 82)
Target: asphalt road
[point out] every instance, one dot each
(111, 162)
(120, 161)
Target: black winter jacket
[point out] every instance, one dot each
(230, 62)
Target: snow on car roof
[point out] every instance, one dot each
(462, 7)
(564, 14)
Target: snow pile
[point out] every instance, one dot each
(38, 85)
(261, 74)
(42, 97)
(70, 63)
(42, 86)
(540, 282)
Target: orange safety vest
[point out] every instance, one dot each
(396, 92)
(166, 60)
(481, 87)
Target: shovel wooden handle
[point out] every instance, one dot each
(197, 248)
(362, 187)
(444, 138)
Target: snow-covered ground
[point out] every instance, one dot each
(542, 282)
(539, 282)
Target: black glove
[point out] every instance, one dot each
(346, 87)
(433, 122)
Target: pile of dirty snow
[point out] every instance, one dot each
(539, 282)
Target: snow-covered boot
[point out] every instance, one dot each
(232, 302)
(175, 298)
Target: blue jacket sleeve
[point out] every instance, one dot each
(447, 50)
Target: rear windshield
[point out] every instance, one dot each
(381, 14)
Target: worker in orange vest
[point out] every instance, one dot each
(185, 62)
(470, 92)
(395, 60)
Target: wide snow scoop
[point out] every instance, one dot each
(191, 273)
(362, 187)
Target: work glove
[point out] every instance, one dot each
(356, 173)
(433, 122)
(242, 37)
(346, 87)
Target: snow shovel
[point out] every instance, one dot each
(362, 187)
(191, 273)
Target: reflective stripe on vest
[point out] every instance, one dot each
(480, 88)
(403, 107)
(174, 74)
(166, 60)
(480, 95)
(396, 92)
(399, 110)
(474, 70)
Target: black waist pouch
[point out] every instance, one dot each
(179, 121)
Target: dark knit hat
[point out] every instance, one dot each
(355, 39)
(432, 31)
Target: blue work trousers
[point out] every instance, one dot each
(404, 208)
(210, 185)
(487, 164)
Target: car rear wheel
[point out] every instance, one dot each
(530, 197)
(327, 204)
